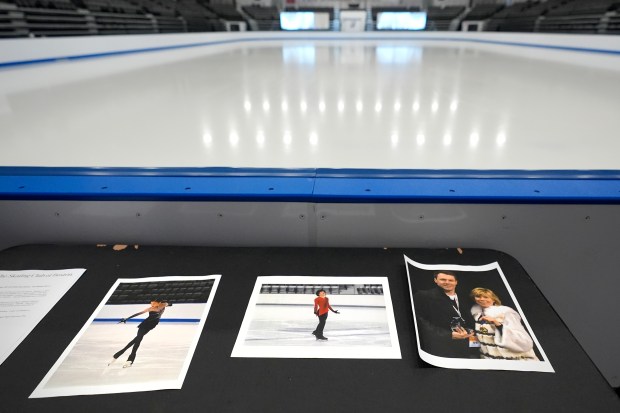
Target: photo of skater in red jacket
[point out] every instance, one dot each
(321, 309)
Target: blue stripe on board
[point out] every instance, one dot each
(321, 186)
(465, 173)
(114, 53)
(28, 62)
(155, 171)
(162, 187)
(139, 320)
(186, 172)
(467, 190)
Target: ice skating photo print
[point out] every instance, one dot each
(319, 317)
(141, 337)
(468, 317)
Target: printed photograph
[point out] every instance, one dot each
(468, 317)
(319, 317)
(141, 337)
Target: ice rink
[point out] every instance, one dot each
(160, 358)
(292, 325)
(316, 103)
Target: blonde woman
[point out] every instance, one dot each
(499, 329)
(155, 311)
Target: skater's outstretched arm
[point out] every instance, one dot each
(124, 320)
(330, 307)
(158, 306)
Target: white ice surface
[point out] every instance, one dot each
(292, 325)
(317, 104)
(160, 357)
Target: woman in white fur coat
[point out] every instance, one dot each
(499, 329)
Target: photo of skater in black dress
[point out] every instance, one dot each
(155, 311)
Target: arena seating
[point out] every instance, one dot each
(12, 22)
(613, 23)
(172, 291)
(267, 18)
(483, 11)
(520, 17)
(349, 289)
(197, 17)
(441, 18)
(370, 289)
(40, 18)
(556, 16)
(226, 11)
(119, 17)
(577, 16)
(43, 18)
(36, 18)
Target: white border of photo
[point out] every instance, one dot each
(477, 364)
(368, 351)
(73, 390)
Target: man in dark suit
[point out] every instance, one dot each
(444, 320)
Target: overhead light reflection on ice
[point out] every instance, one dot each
(260, 138)
(474, 138)
(394, 139)
(303, 55)
(287, 139)
(501, 139)
(314, 139)
(390, 54)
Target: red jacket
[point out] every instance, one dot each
(322, 305)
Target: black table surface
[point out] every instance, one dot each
(217, 382)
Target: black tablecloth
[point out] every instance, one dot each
(216, 382)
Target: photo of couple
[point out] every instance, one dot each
(468, 317)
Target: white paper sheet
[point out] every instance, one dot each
(25, 298)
